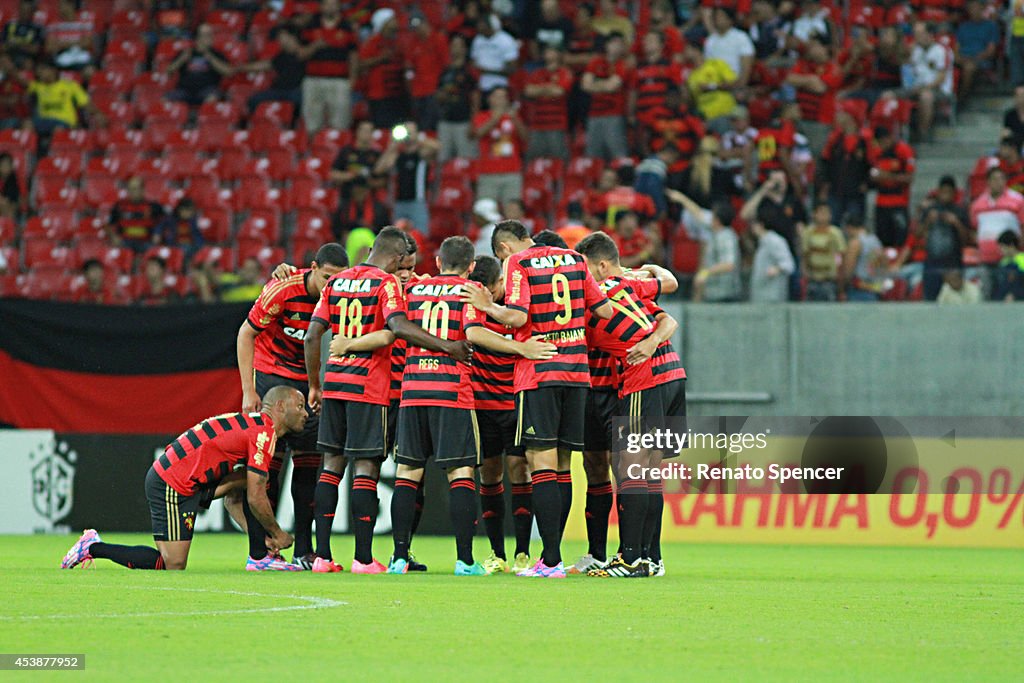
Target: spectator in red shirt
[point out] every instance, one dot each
(857, 62)
(816, 79)
(673, 124)
(547, 89)
(96, 287)
(661, 21)
(381, 60)
(843, 173)
(1009, 159)
(332, 63)
(623, 196)
(652, 80)
(892, 172)
(427, 57)
(501, 133)
(635, 243)
(605, 79)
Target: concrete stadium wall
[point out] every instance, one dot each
(811, 359)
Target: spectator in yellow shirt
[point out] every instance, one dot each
(58, 101)
(711, 82)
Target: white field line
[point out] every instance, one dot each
(308, 602)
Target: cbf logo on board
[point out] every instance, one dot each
(53, 479)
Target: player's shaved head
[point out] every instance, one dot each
(280, 393)
(510, 233)
(331, 254)
(598, 246)
(390, 242)
(456, 254)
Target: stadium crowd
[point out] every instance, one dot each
(155, 152)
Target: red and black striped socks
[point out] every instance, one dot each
(492, 502)
(652, 521)
(599, 506)
(305, 467)
(364, 515)
(547, 507)
(565, 491)
(133, 557)
(403, 512)
(325, 504)
(462, 507)
(632, 501)
(522, 515)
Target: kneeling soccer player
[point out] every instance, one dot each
(197, 468)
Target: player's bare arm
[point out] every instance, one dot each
(480, 298)
(669, 283)
(256, 491)
(368, 342)
(311, 347)
(284, 271)
(245, 349)
(417, 336)
(534, 349)
(643, 350)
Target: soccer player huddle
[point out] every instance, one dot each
(507, 362)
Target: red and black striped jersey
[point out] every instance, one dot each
(432, 378)
(609, 103)
(356, 302)
(897, 159)
(550, 113)
(398, 349)
(492, 372)
(651, 82)
(634, 318)
(554, 288)
(281, 317)
(204, 454)
(604, 367)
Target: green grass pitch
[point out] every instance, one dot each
(724, 612)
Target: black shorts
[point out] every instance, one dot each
(498, 433)
(299, 442)
(551, 417)
(656, 403)
(448, 435)
(602, 406)
(172, 514)
(355, 430)
(392, 427)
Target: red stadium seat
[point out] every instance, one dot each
(548, 170)
(118, 112)
(129, 19)
(163, 110)
(537, 199)
(100, 190)
(224, 256)
(457, 170)
(19, 139)
(92, 227)
(58, 225)
(124, 137)
(41, 251)
(264, 229)
(183, 162)
(119, 259)
(307, 194)
(53, 190)
(79, 141)
(215, 224)
(279, 113)
(67, 165)
(219, 111)
(312, 224)
(235, 52)
(331, 139)
(229, 19)
(88, 248)
(155, 184)
(265, 136)
(8, 230)
(685, 254)
(455, 198)
(154, 167)
(239, 93)
(125, 50)
(157, 81)
(303, 250)
(44, 284)
(166, 50)
(585, 168)
(174, 257)
(119, 78)
(268, 257)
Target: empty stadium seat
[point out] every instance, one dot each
(214, 223)
(173, 257)
(42, 251)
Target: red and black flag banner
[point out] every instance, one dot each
(100, 369)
